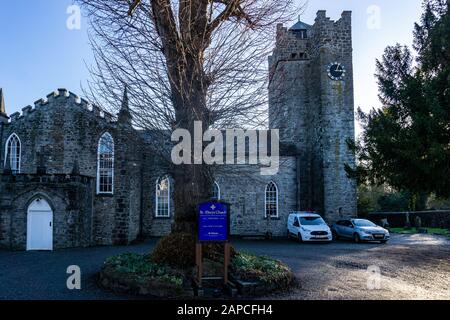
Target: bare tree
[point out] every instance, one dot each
(185, 61)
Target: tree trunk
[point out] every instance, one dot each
(193, 184)
(184, 53)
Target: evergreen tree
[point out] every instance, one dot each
(406, 143)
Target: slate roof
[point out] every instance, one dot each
(300, 26)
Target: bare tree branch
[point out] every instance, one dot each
(133, 7)
(185, 61)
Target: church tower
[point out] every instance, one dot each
(311, 101)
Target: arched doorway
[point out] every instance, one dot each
(39, 226)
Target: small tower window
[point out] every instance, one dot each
(301, 33)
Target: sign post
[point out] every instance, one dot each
(213, 227)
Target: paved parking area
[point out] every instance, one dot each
(411, 266)
(42, 275)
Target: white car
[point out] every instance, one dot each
(307, 226)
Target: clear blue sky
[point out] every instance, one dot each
(38, 53)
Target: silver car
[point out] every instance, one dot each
(359, 230)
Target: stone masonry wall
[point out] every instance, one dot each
(333, 41)
(244, 188)
(63, 130)
(70, 198)
(315, 113)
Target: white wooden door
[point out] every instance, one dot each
(39, 226)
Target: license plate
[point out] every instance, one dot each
(322, 237)
(379, 236)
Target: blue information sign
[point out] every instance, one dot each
(213, 221)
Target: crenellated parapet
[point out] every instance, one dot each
(54, 98)
(335, 35)
(303, 41)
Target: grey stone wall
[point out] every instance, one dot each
(316, 113)
(64, 129)
(155, 226)
(334, 41)
(244, 188)
(70, 198)
(429, 219)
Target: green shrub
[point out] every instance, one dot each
(249, 267)
(176, 250)
(141, 266)
(141, 274)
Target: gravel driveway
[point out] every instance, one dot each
(411, 266)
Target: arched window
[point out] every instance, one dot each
(13, 153)
(271, 200)
(162, 199)
(216, 190)
(105, 165)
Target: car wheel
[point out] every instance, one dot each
(335, 235)
(300, 239)
(289, 235)
(356, 238)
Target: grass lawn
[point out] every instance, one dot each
(438, 231)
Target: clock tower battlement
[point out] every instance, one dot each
(311, 102)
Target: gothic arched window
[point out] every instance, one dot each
(162, 199)
(271, 200)
(216, 190)
(13, 153)
(105, 164)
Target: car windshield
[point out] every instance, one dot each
(312, 221)
(363, 223)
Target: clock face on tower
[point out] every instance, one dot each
(336, 71)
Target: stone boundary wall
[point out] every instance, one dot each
(430, 219)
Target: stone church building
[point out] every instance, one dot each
(72, 175)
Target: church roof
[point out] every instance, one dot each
(300, 26)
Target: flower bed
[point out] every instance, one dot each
(258, 276)
(136, 274)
